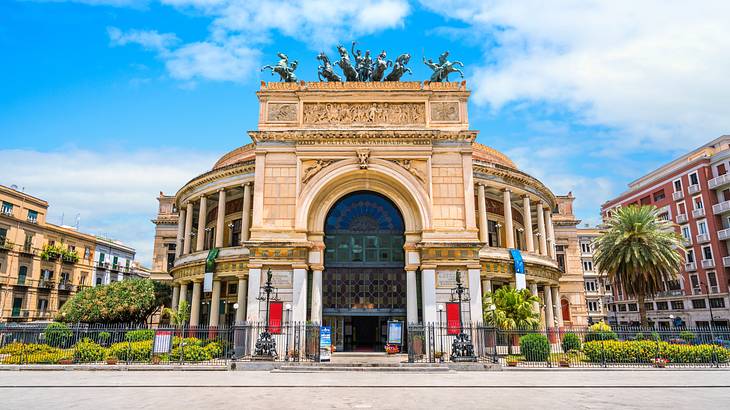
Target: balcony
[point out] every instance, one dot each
(5, 244)
(43, 314)
(693, 189)
(721, 208)
(20, 313)
(7, 212)
(718, 182)
(723, 234)
(687, 242)
(33, 220)
(27, 249)
(101, 265)
(726, 261)
(708, 263)
(45, 283)
(677, 195)
(682, 219)
(65, 286)
(698, 213)
(690, 266)
(703, 238)
(115, 267)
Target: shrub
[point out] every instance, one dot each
(191, 353)
(655, 336)
(598, 336)
(119, 302)
(43, 357)
(87, 351)
(131, 351)
(600, 327)
(104, 337)
(639, 336)
(57, 334)
(214, 350)
(571, 341)
(535, 347)
(17, 348)
(139, 335)
(645, 351)
(687, 336)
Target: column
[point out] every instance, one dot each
(195, 304)
(558, 311)
(486, 287)
(428, 295)
(183, 293)
(188, 228)
(411, 297)
(175, 296)
(483, 224)
(527, 219)
(475, 295)
(254, 286)
(246, 212)
(508, 226)
(541, 229)
(550, 232)
(219, 227)
(533, 290)
(180, 233)
(215, 303)
(548, 299)
(202, 213)
(317, 296)
(241, 300)
(299, 303)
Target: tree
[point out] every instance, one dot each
(129, 301)
(514, 309)
(640, 252)
(180, 317)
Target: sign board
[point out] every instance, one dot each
(325, 343)
(208, 282)
(163, 342)
(395, 332)
(281, 279)
(452, 318)
(447, 279)
(520, 281)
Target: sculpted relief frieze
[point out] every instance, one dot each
(414, 167)
(364, 113)
(282, 112)
(312, 167)
(445, 111)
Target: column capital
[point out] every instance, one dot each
(317, 267)
(221, 189)
(245, 184)
(507, 189)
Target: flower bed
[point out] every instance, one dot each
(647, 351)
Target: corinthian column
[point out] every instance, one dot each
(527, 213)
(188, 228)
(202, 213)
(219, 227)
(550, 232)
(246, 212)
(483, 224)
(541, 229)
(180, 233)
(508, 226)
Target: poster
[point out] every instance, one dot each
(208, 282)
(325, 343)
(163, 342)
(395, 332)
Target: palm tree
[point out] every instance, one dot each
(640, 252)
(180, 317)
(513, 309)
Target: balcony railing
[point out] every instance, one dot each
(708, 263)
(703, 238)
(677, 195)
(65, 286)
(19, 313)
(33, 220)
(682, 219)
(690, 266)
(719, 181)
(5, 244)
(693, 189)
(6, 212)
(45, 283)
(723, 234)
(698, 213)
(687, 241)
(726, 261)
(721, 208)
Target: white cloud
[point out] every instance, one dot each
(655, 70)
(212, 61)
(115, 194)
(149, 39)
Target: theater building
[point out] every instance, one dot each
(364, 199)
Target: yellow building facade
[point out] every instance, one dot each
(363, 200)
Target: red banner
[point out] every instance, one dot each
(452, 318)
(276, 310)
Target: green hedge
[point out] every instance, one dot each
(535, 347)
(139, 335)
(600, 335)
(57, 334)
(645, 351)
(131, 351)
(128, 301)
(571, 341)
(86, 351)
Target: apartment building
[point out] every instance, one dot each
(693, 191)
(597, 287)
(113, 261)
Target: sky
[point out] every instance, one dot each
(105, 103)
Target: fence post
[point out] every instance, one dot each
(603, 348)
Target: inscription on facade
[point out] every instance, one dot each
(445, 111)
(282, 112)
(447, 279)
(364, 113)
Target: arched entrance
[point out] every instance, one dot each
(364, 280)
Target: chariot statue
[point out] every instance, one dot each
(444, 67)
(283, 68)
(380, 65)
(326, 70)
(347, 68)
(399, 68)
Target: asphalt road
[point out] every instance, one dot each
(646, 389)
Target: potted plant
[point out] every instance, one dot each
(660, 362)
(439, 356)
(512, 361)
(111, 360)
(66, 361)
(155, 359)
(567, 358)
(391, 349)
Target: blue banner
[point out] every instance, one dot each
(520, 281)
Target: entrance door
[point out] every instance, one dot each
(364, 280)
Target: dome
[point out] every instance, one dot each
(240, 154)
(488, 154)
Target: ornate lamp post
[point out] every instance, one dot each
(266, 345)
(709, 304)
(462, 349)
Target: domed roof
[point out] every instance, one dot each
(240, 154)
(488, 154)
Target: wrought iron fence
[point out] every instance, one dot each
(572, 347)
(139, 344)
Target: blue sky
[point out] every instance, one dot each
(107, 102)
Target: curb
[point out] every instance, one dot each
(105, 367)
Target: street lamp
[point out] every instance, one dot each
(440, 308)
(266, 345)
(462, 350)
(287, 310)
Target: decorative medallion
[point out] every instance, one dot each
(363, 155)
(445, 111)
(279, 112)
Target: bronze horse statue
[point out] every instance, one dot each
(347, 69)
(326, 70)
(399, 68)
(444, 67)
(283, 68)
(381, 64)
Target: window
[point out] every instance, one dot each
(22, 274)
(590, 286)
(98, 280)
(686, 232)
(3, 235)
(632, 307)
(721, 170)
(677, 185)
(690, 255)
(561, 261)
(622, 308)
(664, 216)
(102, 257)
(592, 306)
(645, 200)
(712, 281)
(698, 304)
(649, 305)
(28, 243)
(677, 305)
(236, 233)
(659, 195)
(232, 288)
(32, 216)
(662, 306)
(7, 209)
(695, 282)
(694, 179)
(697, 201)
(702, 227)
(588, 266)
(585, 247)
(717, 303)
(492, 233)
(681, 208)
(42, 305)
(707, 252)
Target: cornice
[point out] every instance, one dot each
(359, 137)
(515, 176)
(213, 175)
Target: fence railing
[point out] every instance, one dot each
(573, 347)
(139, 344)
